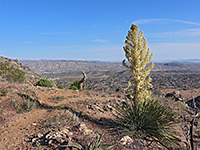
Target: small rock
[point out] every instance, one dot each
(50, 141)
(110, 107)
(34, 124)
(83, 128)
(37, 143)
(118, 96)
(40, 135)
(126, 140)
(188, 118)
(34, 140)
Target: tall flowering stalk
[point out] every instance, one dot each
(139, 57)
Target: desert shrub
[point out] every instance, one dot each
(10, 73)
(4, 92)
(60, 87)
(24, 106)
(73, 87)
(56, 99)
(94, 144)
(145, 119)
(44, 83)
(1, 109)
(75, 83)
(38, 148)
(53, 122)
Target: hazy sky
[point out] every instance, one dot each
(96, 29)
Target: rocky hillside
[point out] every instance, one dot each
(14, 70)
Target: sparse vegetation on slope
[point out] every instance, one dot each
(14, 71)
(11, 73)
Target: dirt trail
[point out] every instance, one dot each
(16, 132)
(58, 97)
(19, 128)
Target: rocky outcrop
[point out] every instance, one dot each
(175, 95)
(56, 138)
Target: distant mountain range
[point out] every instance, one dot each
(183, 61)
(97, 61)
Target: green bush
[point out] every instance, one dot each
(75, 83)
(73, 87)
(44, 83)
(60, 87)
(10, 73)
(145, 119)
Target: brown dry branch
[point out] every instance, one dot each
(82, 81)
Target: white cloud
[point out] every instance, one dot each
(167, 51)
(99, 41)
(195, 32)
(146, 21)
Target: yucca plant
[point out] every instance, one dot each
(138, 57)
(145, 119)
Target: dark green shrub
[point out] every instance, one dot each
(73, 87)
(145, 119)
(60, 87)
(75, 83)
(44, 83)
(10, 73)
